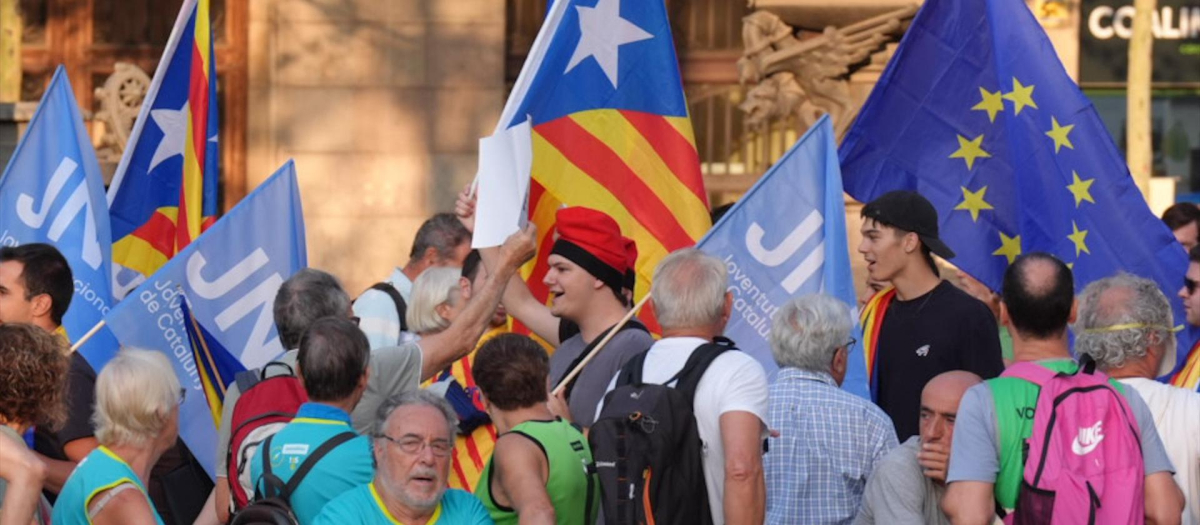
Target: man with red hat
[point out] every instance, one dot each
(591, 279)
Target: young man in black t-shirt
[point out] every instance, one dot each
(922, 326)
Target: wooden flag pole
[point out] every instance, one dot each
(75, 346)
(603, 342)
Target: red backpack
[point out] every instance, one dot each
(265, 406)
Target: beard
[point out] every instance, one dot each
(414, 499)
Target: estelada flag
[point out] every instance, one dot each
(610, 129)
(164, 192)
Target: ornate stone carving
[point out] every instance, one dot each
(810, 76)
(120, 100)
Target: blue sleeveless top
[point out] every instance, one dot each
(99, 471)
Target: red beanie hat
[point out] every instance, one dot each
(631, 255)
(592, 240)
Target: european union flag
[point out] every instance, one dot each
(976, 113)
(52, 192)
(230, 275)
(786, 238)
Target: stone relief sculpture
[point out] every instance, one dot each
(810, 76)
(120, 100)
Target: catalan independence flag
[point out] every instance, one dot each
(610, 129)
(164, 192)
(215, 365)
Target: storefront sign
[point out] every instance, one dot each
(1107, 25)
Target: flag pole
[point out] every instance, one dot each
(562, 385)
(75, 346)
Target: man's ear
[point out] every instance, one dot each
(41, 304)
(911, 242)
(727, 310)
(1006, 320)
(840, 360)
(598, 284)
(1074, 312)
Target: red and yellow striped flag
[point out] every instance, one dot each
(164, 192)
(611, 130)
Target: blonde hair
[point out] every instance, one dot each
(434, 287)
(135, 394)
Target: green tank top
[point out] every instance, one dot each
(572, 485)
(1015, 402)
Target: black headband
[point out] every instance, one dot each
(599, 269)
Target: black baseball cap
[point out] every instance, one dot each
(909, 211)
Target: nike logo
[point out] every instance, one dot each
(923, 351)
(1088, 439)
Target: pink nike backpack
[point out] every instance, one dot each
(1084, 460)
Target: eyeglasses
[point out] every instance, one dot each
(414, 445)
(1190, 285)
(850, 344)
(182, 395)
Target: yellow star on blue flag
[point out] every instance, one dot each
(1055, 180)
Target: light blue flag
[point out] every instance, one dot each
(230, 275)
(787, 238)
(52, 192)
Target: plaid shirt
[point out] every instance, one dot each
(829, 442)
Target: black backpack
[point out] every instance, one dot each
(272, 506)
(646, 446)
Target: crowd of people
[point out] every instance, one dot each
(417, 402)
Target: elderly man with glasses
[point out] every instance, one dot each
(412, 441)
(829, 440)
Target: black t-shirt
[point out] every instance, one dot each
(943, 330)
(80, 400)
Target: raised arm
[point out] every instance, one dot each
(443, 348)
(517, 299)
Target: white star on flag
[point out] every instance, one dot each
(602, 32)
(173, 124)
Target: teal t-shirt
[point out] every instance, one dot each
(364, 506)
(99, 471)
(345, 467)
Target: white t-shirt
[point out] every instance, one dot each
(1177, 415)
(734, 382)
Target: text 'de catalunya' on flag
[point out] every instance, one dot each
(610, 128)
(975, 112)
(52, 192)
(164, 192)
(230, 275)
(786, 238)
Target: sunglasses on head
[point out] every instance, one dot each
(1190, 285)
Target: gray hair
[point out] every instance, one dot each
(443, 232)
(418, 397)
(1099, 312)
(688, 289)
(135, 394)
(807, 330)
(306, 296)
(435, 286)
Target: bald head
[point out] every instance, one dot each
(939, 404)
(1038, 294)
